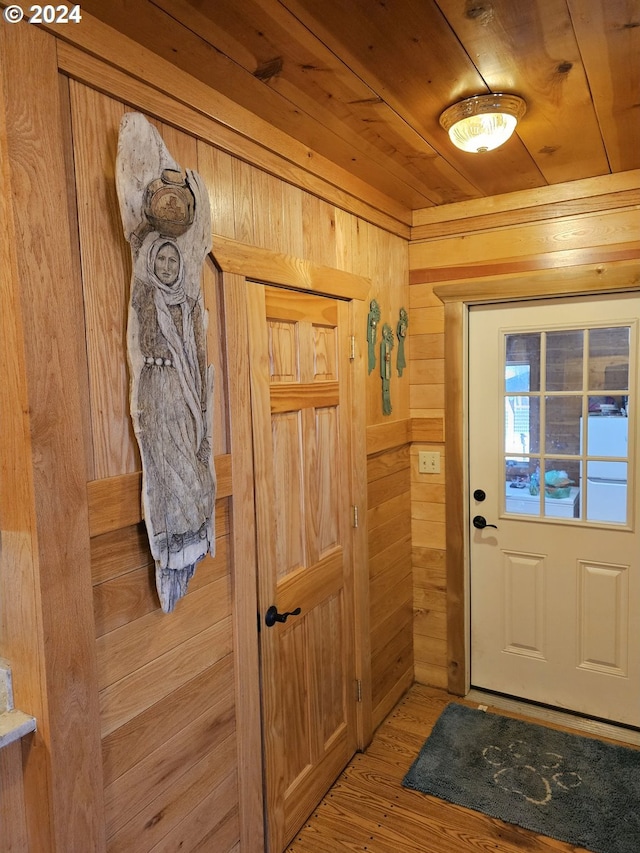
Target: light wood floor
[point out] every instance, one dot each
(367, 809)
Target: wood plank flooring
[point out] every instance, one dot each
(367, 809)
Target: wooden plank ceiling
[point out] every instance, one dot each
(363, 82)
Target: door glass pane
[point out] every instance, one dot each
(564, 360)
(522, 495)
(607, 492)
(522, 362)
(609, 359)
(562, 424)
(561, 488)
(521, 424)
(579, 407)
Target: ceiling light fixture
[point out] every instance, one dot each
(483, 122)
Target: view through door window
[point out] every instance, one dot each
(566, 415)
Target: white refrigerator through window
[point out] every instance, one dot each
(606, 479)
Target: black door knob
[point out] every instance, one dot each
(480, 522)
(272, 616)
(479, 494)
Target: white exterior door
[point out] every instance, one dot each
(553, 435)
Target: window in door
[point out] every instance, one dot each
(566, 412)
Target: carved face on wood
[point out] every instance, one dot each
(167, 264)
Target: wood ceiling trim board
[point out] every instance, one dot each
(179, 101)
(567, 264)
(543, 196)
(541, 213)
(608, 230)
(608, 32)
(425, 70)
(530, 48)
(606, 277)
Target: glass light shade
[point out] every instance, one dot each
(483, 122)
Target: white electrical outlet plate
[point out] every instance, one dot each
(428, 462)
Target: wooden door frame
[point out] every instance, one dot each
(239, 263)
(458, 297)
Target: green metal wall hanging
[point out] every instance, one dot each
(372, 331)
(386, 345)
(401, 331)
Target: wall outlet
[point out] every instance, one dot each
(428, 462)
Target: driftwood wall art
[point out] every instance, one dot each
(166, 219)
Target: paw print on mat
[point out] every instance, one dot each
(534, 776)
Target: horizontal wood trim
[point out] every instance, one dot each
(293, 397)
(505, 270)
(129, 744)
(144, 641)
(146, 685)
(383, 489)
(115, 502)
(522, 199)
(430, 674)
(388, 702)
(382, 438)
(132, 595)
(602, 277)
(387, 436)
(285, 304)
(427, 430)
(397, 505)
(393, 556)
(428, 558)
(178, 820)
(390, 591)
(263, 265)
(392, 654)
(126, 549)
(106, 60)
(392, 530)
(531, 215)
(159, 773)
(569, 199)
(383, 464)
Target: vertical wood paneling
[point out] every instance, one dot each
(243, 209)
(216, 356)
(106, 273)
(13, 827)
(319, 231)
(292, 241)
(19, 640)
(268, 204)
(216, 170)
(56, 681)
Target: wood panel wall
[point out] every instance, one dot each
(390, 588)
(550, 241)
(166, 688)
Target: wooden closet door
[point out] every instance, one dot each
(300, 404)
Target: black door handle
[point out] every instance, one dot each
(480, 522)
(272, 616)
